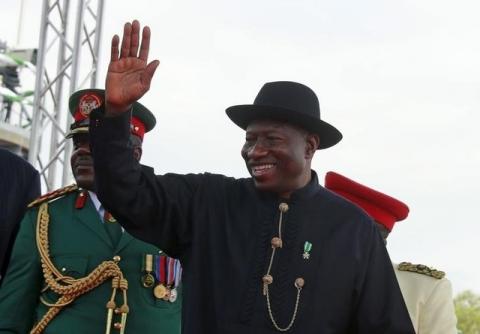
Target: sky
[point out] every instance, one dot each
(400, 80)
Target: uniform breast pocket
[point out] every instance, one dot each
(71, 266)
(152, 297)
(161, 281)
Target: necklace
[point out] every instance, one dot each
(267, 279)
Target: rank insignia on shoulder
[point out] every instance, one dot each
(421, 269)
(53, 195)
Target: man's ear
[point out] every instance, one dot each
(137, 152)
(313, 141)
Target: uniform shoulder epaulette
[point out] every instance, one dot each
(421, 269)
(53, 195)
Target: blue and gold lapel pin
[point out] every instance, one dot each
(307, 248)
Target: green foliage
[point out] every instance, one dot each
(467, 308)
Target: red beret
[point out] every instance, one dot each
(384, 209)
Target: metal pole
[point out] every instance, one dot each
(20, 23)
(96, 44)
(58, 105)
(37, 103)
(77, 46)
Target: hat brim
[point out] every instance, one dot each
(243, 115)
(138, 110)
(144, 115)
(82, 129)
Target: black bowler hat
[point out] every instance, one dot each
(290, 102)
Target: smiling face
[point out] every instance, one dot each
(278, 156)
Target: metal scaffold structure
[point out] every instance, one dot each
(34, 122)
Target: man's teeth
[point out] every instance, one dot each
(262, 168)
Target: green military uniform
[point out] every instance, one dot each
(75, 241)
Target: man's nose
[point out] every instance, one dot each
(83, 149)
(257, 151)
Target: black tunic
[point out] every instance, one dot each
(221, 229)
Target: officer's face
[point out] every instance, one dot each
(278, 156)
(82, 162)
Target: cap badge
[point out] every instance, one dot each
(88, 102)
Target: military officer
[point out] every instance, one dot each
(426, 291)
(73, 268)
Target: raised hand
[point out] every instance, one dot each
(129, 76)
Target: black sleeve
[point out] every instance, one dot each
(33, 188)
(156, 209)
(380, 308)
(19, 184)
(30, 191)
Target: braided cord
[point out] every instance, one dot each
(294, 316)
(68, 287)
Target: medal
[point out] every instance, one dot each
(167, 273)
(173, 295)
(170, 277)
(160, 291)
(177, 269)
(307, 247)
(167, 294)
(178, 273)
(147, 266)
(170, 272)
(148, 280)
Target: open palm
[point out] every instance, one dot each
(129, 76)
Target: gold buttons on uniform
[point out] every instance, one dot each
(267, 279)
(276, 242)
(117, 258)
(283, 207)
(299, 283)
